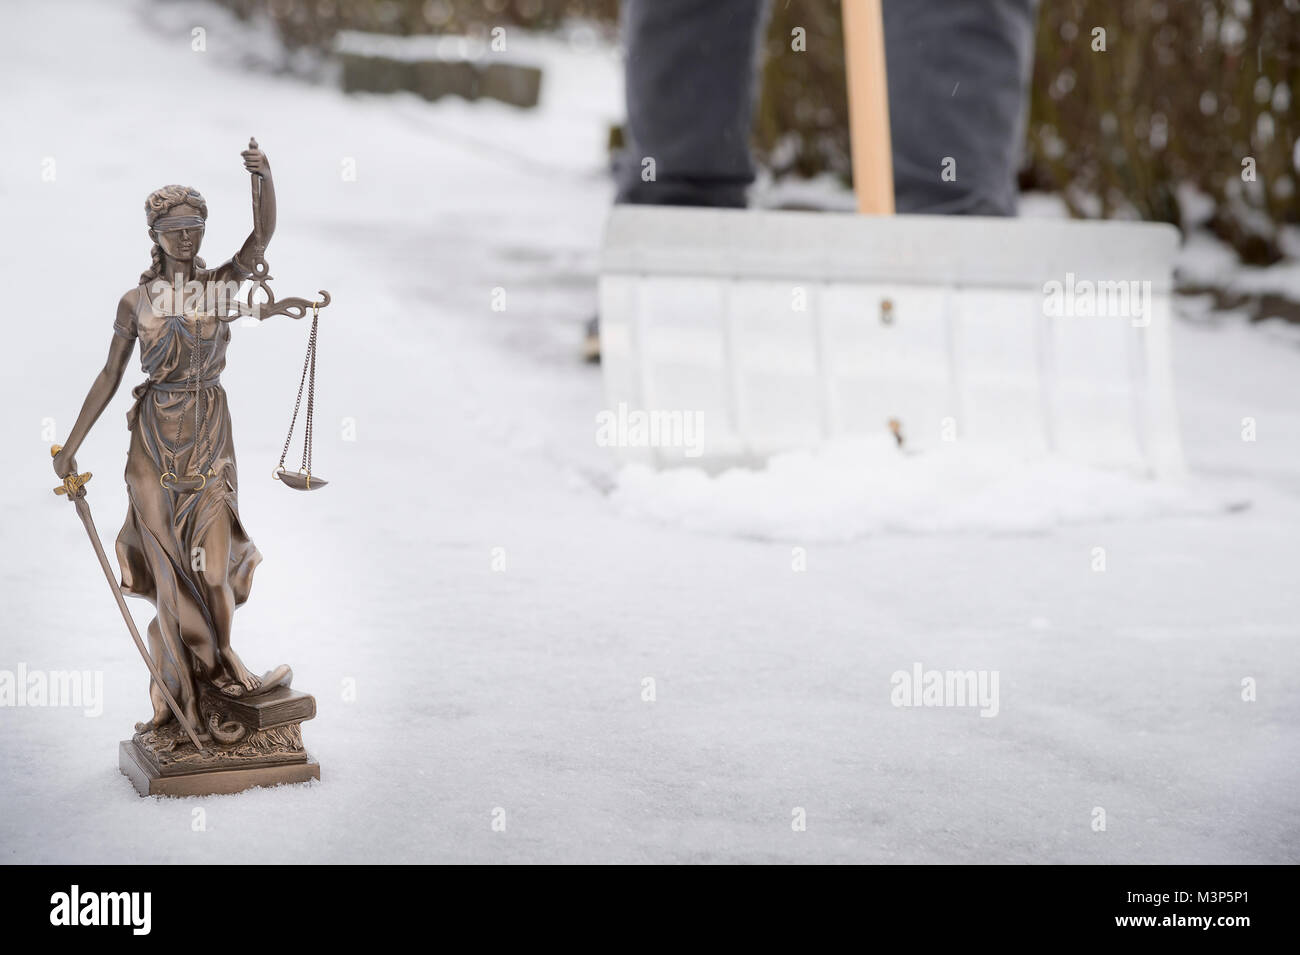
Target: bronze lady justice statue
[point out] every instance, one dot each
(183, 545)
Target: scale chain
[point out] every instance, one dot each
(308, 431)
(308, 365)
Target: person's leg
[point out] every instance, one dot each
(691, 81)
(959, 73)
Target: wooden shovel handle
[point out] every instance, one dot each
(868, 88)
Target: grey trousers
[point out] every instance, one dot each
(959, 73)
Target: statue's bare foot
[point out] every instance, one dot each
(241, 673)
(161, 716)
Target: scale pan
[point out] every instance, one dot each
(300, 482)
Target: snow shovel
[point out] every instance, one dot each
(728, 336)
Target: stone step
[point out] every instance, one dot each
(389, 64)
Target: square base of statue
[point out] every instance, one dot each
(248, 741)
(148, 781)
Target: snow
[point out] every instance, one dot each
(1208, 262)
(1205, 261)
(854, 487)
(512, 45)
(522, 688)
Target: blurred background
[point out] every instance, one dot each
(1193, 124)
(497, 591)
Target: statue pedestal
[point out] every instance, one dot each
(248, 741)
(211, 782)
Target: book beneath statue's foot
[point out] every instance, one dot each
(252, 741)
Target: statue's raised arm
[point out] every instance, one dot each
(252, 255)
(259, 168)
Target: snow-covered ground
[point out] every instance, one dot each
(498, 597)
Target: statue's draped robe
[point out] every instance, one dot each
(161, 546)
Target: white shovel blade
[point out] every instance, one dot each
(730, 335)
